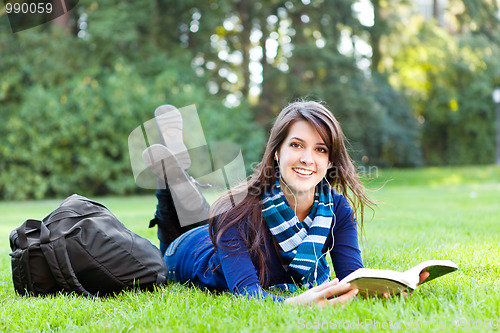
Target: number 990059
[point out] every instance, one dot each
(28, 8)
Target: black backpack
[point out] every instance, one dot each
(82, 248)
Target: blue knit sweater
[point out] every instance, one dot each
(238, 271)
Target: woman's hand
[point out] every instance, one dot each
(423, 275)
(324, 293)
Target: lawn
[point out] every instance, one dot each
(429, 213)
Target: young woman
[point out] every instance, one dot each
(301, 204)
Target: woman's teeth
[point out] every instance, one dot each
(303, 171)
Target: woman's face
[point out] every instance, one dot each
(302, 158)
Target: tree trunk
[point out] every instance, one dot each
(246, 22)
(375, 33)
(435, 11)
(265, 115)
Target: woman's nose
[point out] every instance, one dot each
(306, 157)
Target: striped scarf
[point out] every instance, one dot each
(300, 242)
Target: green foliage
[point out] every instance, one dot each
(480, 17)
(72, 138)
(449, 82)
(394, 137)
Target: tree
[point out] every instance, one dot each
(449, 82)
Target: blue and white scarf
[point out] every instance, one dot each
(300, 242)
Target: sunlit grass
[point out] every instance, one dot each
(445, 213)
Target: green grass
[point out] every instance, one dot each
(431, 213)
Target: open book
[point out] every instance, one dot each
(375, 282)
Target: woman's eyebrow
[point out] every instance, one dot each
(299, 139)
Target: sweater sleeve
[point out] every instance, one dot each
(238, 268)
(345, 254)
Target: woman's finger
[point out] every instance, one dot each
(423, 276)
(325, 285)
(345, 297)
(335, 290)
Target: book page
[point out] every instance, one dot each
(377, 286)
(375, 282)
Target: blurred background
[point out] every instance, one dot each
(411, 82)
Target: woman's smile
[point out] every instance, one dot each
(303, 172)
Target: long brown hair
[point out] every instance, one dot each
(247, 214)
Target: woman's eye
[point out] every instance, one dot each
(295, 145)
(322, 150)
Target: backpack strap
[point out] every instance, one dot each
(21, 241)
(20, 259)
(59, 263)
(57, 258)
(54, 252)
(65, 213)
